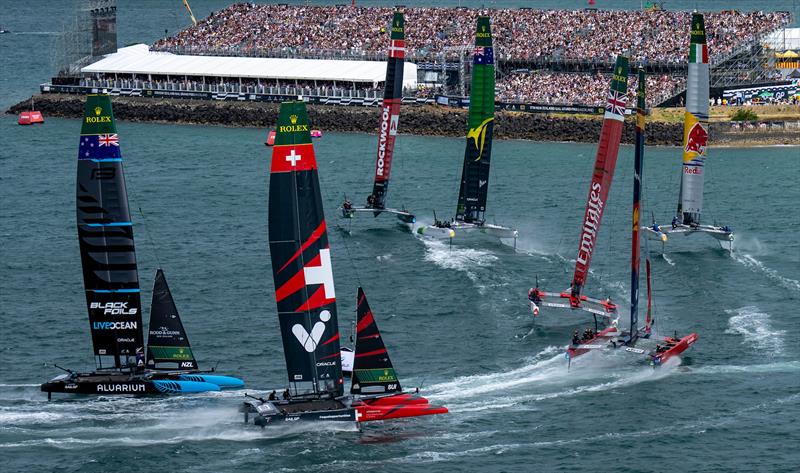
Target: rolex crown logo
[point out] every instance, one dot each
(293, 119)
(98, 110)
(483, 28)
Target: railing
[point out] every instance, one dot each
(191, 86)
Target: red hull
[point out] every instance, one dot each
(395, 407)
(270, 138)
(681, 346)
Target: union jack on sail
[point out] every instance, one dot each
(616, 103)
(108, 140)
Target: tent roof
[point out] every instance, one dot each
(138, 59)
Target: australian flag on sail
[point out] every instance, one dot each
(103, 147)
(483, 55)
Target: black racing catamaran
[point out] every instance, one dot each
(110, 274)
(168, 347)
(695, 144)
(306, 299)
(390, 118)
(635, 341)
(471, 209)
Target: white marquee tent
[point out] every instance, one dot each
(138, 59)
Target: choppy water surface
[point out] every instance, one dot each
(455, 319)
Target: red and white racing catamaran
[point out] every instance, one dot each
(387, 133)
(695, 144)
(635, 341)
(605, 163)
(306, 299)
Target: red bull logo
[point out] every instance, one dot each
(696, 139)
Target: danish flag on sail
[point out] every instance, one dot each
(604, 165)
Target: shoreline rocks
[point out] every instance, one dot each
(417, 120)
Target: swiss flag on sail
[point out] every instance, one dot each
(287, 158)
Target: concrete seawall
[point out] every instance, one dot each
(417, 120)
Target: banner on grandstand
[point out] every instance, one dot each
(224, 96)
(463, 102)
(777, 92)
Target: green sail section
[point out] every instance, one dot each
(171, 353)
(398, 26)
(293, 125)
(98, 117)
(475, 173)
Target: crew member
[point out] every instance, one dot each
(286, 394)
(347, 205)
(675, 222)
(371, 200)
(272, 396)
(575, 339)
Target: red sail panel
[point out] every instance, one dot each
(604, 166)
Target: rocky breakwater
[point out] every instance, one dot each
(418, 120)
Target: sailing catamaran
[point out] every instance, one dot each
(306, 299)
(695, 143)
(390, 118)
(604, 165)
(635, 341)
(110, 274)
(471, 209)
(168, 347)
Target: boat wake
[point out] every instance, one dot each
(756, 329)
(80, 423)
(545, 376)
(757, 266)
(457, 258)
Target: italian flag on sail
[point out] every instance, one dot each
(698, 53)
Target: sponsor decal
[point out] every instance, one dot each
(114, 325)
(696, 139)
(103, 119)
(311, 340)
(187, 364)
(335, 416)
(634, 350)
(71, 386)
(692, 170)
(382, 140)
(164, 332)
(478, 136)
(326, 363)
(126, 340)
(100, 174)
(292, 128)
(121, 388)
(594, 209)
(298, 377)
(114, 308)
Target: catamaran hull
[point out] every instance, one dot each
(345, 409)
(608, 339)
(402, 215)
(459, 228)
(102, 384)
(663, 234)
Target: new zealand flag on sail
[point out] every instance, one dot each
(483, 55)
(99, 147)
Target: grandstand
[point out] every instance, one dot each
(543, 56)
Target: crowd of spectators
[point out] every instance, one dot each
(520, 34)
(579, 88)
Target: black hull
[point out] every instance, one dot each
(100, 384)
(282, 412)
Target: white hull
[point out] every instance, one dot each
(402, 215)
(663, 234)
(463, 228)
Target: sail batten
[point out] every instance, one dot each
(105, 235)
(603, 175)
(477, 155)
(695, 126)
(301, 260)
(390, 113)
